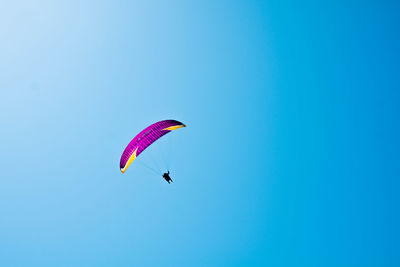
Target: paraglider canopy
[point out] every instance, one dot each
(145, 138)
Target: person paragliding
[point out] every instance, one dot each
(145, 139)
(167, 177)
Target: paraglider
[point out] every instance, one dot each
(145, 139)
(167, 178)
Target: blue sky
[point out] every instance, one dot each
(290, 157)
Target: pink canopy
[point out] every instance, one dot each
(145, 138)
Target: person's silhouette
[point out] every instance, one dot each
(167, 178)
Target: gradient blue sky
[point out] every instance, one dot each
(290, 157)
